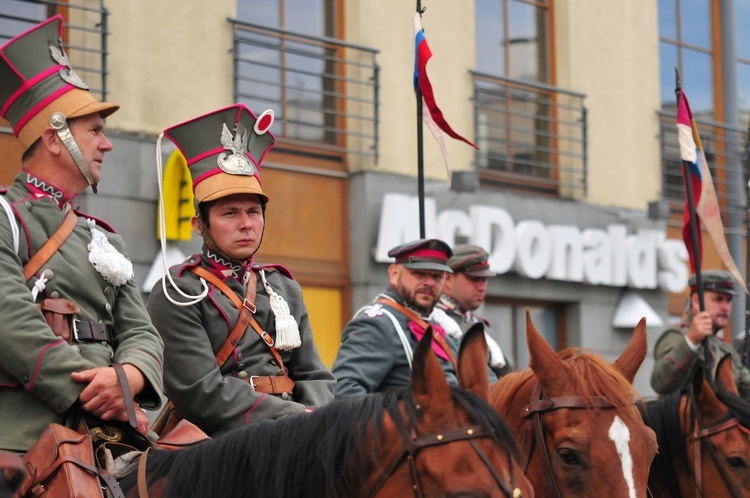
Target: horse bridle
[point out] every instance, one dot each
(412, 445)
(534, 429)
(699, 437)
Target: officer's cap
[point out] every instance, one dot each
(224, 150)
(470, 260)
(38, 81)
(423, 254)
(720, 281)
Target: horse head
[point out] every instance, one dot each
(718, 440)
(459, 446)
(575, 417)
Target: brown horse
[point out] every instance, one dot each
(704, 440)
(574, 416)
(11, 474)
(428, 439)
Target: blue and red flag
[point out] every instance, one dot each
(704, 193)
(433, 116)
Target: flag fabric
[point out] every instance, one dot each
(704, 194)
(431, 115)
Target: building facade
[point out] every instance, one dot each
(574, 189)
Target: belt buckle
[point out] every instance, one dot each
(75, 330)
(251, 381)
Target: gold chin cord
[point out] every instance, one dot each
(60, 124)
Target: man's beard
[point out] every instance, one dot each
(410, 302)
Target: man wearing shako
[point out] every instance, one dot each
(270, 366)
(69, 310)
(377, 345)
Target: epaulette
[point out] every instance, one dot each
(191, 262)
(100, 223)
(271, 266)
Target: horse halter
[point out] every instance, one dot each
(534, 429)
(414, 443)
(699, 437)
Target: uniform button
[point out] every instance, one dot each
(76, 349)
(242, 375)
(25, 378)
(107, 290)
(27, 205)
(241, 366)
(280, 373)
(54, 294)
(285, 396)
(239, 356)
(48, 274)
(108, 308)
(273, 362)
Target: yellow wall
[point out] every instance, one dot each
(324, 310)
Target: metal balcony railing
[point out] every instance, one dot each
(726, 153)
(531, 137)
(84, 33)
(323, 91)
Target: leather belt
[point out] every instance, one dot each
(272, 384)
(85, 331)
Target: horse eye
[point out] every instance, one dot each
(736, 462)
(569, 457)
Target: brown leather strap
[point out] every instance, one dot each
(142, 487)
(247, 308)
(416, 318)
(272, 384)
(51, 246)
(127, 393)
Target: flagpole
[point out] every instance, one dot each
(694, 237)
(745, 352)
(420, 150)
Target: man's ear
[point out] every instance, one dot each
(51, 141)
(196, 226)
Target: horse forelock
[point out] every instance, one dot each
(592, 376)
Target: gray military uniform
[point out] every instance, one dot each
(217, 398)
(35, 365)
(372, 356)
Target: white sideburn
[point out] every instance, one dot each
(620, 434)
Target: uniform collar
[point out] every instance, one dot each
(225, 266)
(39, 188)
(449, 304)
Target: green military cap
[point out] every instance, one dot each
(471, 260)
(423, 254)
(720, 281)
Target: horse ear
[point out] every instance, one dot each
(630, 360)
(709, 405)
(473, 372)
(543, 360)
(725, 375)
(428, 381)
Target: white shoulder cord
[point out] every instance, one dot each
(399, 330)
(41, 282)
(287, 331)
(12, 220)
(163, 240)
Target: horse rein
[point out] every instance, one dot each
(414, 443)
(534, 429)
(698, 437)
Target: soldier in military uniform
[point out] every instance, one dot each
(195, 313)
(464, 291)
(679, 351)
(378, 343)
(95, 315)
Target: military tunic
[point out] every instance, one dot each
(372, 357)
(676, 362)
(216, 398)
(35, 365)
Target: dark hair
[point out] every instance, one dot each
(29, 153)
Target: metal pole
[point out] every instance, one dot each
(420, 150)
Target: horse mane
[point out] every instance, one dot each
(663, 417)
(326, 453)
(589, 373)
(738, 407)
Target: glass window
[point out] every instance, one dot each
(695, 23)
(512, 39)
(668, 19)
